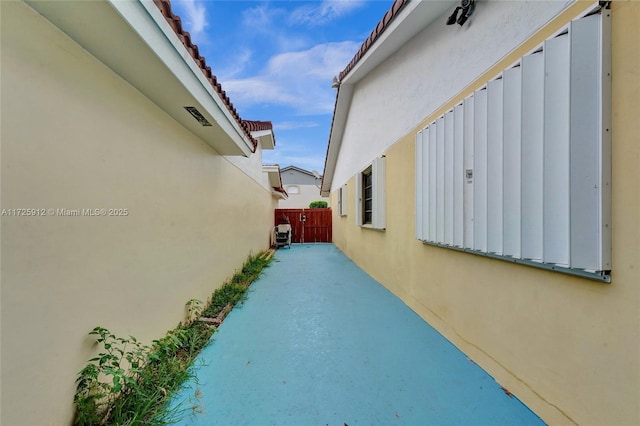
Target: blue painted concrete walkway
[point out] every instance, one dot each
(319, 342)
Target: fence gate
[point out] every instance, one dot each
(308, 225)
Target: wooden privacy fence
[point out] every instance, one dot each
(308, 225)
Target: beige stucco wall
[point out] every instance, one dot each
(252, 167)
(568, 347)
(74, 135)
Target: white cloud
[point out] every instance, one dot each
(261, 17)
(257, 90)
(300, 80)
(195, 17)
(292, 125)
(326, 12)
(236, 64)
(266, 22)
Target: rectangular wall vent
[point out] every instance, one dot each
(198, 116)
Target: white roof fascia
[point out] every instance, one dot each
(273, 172)
(345, 93)
(274, 176)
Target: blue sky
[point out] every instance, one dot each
(276, 61)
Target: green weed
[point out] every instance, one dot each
(234, 290)
(128, 382)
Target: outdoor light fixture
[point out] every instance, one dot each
(335, 83)
(467, 7)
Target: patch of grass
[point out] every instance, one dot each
(129, 383)
(233, 291)
(228, 294)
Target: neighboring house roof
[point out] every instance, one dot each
(402, 22)
(298, 169)
(176, 24)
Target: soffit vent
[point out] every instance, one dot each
(197, 115)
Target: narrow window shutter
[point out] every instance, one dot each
(440, 180)
(343, 200)
(480, 171)
(358, 199)
(419, 187)
(495, 149)
(458, 176)
(468, 171)
(432, 183)
(448, 178)
(556, 151)
(590, 143)
(426, 184)
(378, 220)
(512, 135)
(532, 155)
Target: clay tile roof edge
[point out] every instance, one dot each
(254, 126)
(383, 24)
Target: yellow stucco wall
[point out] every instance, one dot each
(568, 347)
(74, 135)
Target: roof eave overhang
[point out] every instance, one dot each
(343, 102)
(266, 138)
(280, 193)
(134, 40)
(412, 19)
(273, 172)
(275, 181)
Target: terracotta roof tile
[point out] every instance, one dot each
(254, 126)
(176, 24)
(377, 32)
